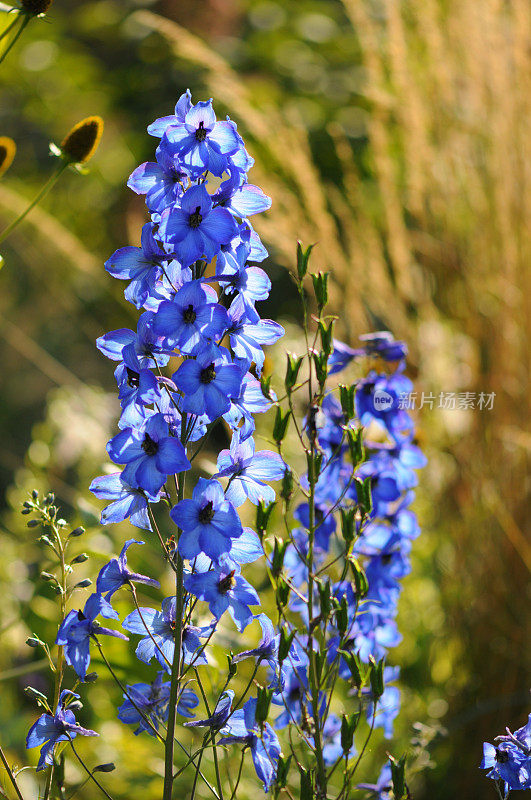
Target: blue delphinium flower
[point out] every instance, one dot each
(127, 502)
(267, 648)
(191, 317)
(150, 454)
(195, 228)
(248, 333)
(139, 265)
(47, 731)
(510, 759)
(116, 573)
(151, 700)
(262, 741)
(201, 142)
(158, 631)
(77, 629)
(162, 181)
(208, 384)
(248, 471)
(223, 589)
(219, 716)
(207, 520)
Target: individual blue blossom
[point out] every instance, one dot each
(219, 716)
(341, 356)
(161, 125)
(267, 648)
(195, 228)
(146, 703)
(510, 759)
(116, 573)
(158, 631)
(262, 741)
(137, 391)
(79, 627)
(384, 345)
(223, 589)
(138, 350)
(150, 454)
(246, 549)
(208, 384)
(248, 471)
(191, 317)
(162, 181)
(126, 501)
(248, 333)
(139, 265)
(201, 142)
(250, 401)
(240, 198)
(234, 275)
(47, 731)
(378, 399)
(208, 521)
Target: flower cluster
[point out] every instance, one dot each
(351, 546)
(509, 760)
(200, 201)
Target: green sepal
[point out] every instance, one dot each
(320, 288)
(360, 579)
(346, 397)
(279, 551)
(303, 256)
(263, 515)
(263, 703)
(398, 767)
(284, 644)
(281, 424)
(376, 677)
(292, 370)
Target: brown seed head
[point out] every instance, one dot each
(80, 144)
(8, 149)
(35, 7)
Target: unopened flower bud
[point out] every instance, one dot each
(8, 149)
(80, 144)
(35, 7)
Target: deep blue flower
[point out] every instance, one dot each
(158, 631)
(152, 699)
(201, 142)
(248, 333)
(137, 391)
(161, 180)
(196, 229)
(240, 198)
(223, 589)
(127, 502)
(48, 730)
(508, 763)
(139, 350)
(248, 471)
(207, 520)
(191, 317)
(77, 629)
(378, 399)
(234, 275)
(150, 454)
(219, 716)
(250, 401)
(267, 648)
(262, 740)
(208, 384)
(140, 265)
(116, 573)
(384, 345)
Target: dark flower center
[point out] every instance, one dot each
(195, 219)
(208, 374)
(80, 616)
(206, 514)
(201, 133)
(133, 378)
(502, 756)
(386, 559)
(227, 583)
(189, 315)
(149, 446)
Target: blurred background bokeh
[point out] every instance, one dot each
(395, 134)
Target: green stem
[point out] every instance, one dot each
(59, 667)
(233, 795)
(52, 180)
(11, 775)
(89, 773)
(10, 26)
(176, 664)
(214, 748)
(15, 37)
